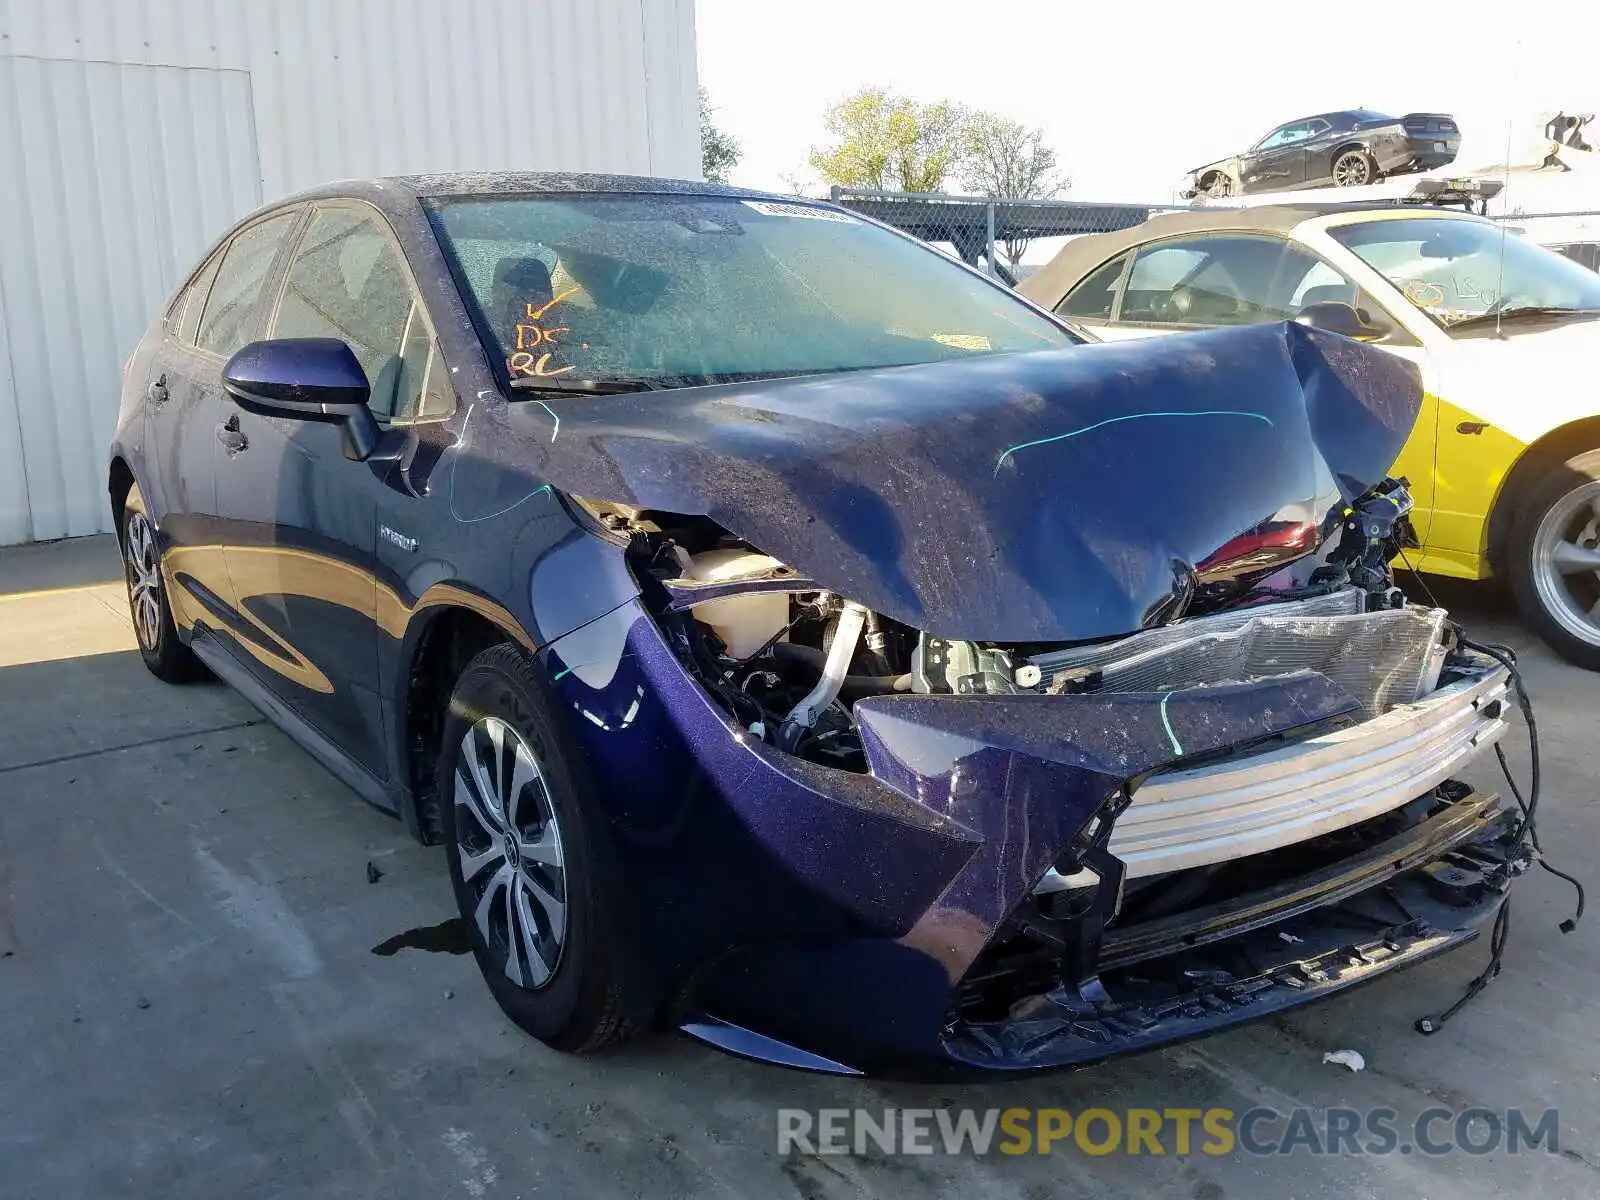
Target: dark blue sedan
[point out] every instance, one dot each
(797, 638)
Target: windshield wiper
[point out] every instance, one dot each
(613, 386)
(1522, 310)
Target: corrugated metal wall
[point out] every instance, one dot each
(114, 176)
(132, 132)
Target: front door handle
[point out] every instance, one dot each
(232, 440)
(157, 391)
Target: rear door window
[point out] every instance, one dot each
(233, 311)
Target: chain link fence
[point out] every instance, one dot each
(999, 235)
(993, 235)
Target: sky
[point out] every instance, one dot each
(1133, 93)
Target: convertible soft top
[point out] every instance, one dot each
(1082, 255)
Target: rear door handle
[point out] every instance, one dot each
(157, 391)
(232, 440)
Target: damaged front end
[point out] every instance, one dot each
(1209, 773)
(1171, 831)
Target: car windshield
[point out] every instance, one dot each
(669, 290)
(1454, 270)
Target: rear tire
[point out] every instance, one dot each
(1354, 168)
(149, 608)
(1554, 559)
(531, 861)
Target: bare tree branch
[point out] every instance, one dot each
(1006, 160)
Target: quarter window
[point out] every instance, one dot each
(185, 320)
(233, 313)
(1094, 296)
(349, 281)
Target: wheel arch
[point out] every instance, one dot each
(1345, 147)
(1538, 456)
(119, 482)
(449, 628)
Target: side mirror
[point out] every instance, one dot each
(1335, 316)
(306, 379)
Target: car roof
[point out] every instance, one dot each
(1081, 256)
(506, 183)
(1359, 114)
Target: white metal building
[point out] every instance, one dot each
(133, 132)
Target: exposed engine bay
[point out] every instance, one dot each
(1259, 869)
(1168, 746)
(788, 658)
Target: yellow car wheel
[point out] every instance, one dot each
(1555, 559)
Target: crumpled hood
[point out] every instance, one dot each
(1056, 496)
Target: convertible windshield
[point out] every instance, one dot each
(678, 289)
(1454, 271)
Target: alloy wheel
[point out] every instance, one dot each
(144, 580)
(1566, 562)
(508, 841)
(1351, 170)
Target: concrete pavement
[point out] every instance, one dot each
(190, 1004)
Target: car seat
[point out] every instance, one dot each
(1342, 293)
(518, 282)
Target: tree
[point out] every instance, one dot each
(719, 151)
(886, 142)
(1006, 160)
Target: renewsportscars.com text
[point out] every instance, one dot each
(1160, 1131)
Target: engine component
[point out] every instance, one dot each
(965, 668)
(854, 686)
(744, 623)
(846, 636)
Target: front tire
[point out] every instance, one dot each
(168, 659)
(531, 860)
(1555, 560)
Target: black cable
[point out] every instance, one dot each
(1528, 828)
(1507, 658)
(773, 640)
(1497, 953)
(1427, 592)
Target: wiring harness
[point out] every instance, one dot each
(1525, 835)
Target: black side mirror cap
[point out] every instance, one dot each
(1335, 316)
(306, 379)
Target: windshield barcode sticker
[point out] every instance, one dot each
(774, 208)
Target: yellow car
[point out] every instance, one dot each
(1504, 461)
